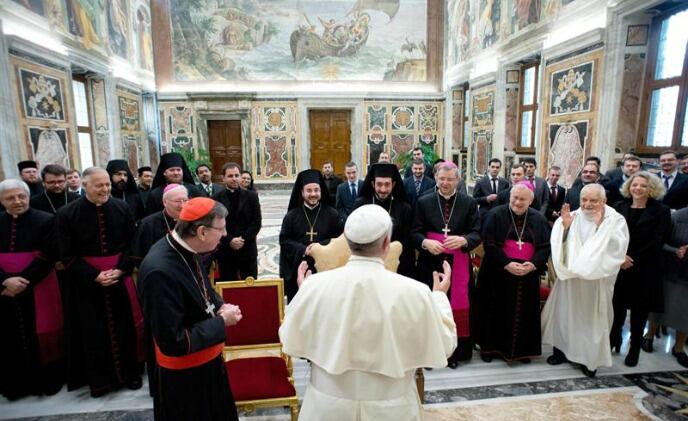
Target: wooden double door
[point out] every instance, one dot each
(330, 138)
(224, 138)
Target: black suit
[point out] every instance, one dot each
(483, 188)
(677, 195)
(554, 203)
(426, 184)
(215, 188)
(345, 201)
(613, 187)
(244, 220)
(332, 184)
(541, 193)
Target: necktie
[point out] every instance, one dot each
(554, 193)
(209, 189)
(494, 186)
(417, 187)
(666, 181)
(353, 190)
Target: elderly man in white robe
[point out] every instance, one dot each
(588, 247)
(366, 329)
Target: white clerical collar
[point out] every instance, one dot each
(311, 207)
(446, 197)
(181, 242)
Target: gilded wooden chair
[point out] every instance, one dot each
(336, 253)
(260, 374)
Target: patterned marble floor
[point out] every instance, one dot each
(657, 385)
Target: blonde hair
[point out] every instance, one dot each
(655, 187)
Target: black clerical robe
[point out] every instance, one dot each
(35, 188)
(294, 239)
(432, 210)
(402, 217)
(133, 199)
(174, 305)
(154, 200)
(104, 345)
(243, 220)
(52, 202)
(151, 229)
(506, 314)
(30, 361)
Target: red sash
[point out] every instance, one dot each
(512, 251)
(48, 303)
(103, 263)
(458, 296)
(187, 361)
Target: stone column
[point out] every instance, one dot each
(10, 136)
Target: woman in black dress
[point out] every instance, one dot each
(639, 284)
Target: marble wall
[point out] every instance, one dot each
(131, 133)
(274, 140)
(629, 112)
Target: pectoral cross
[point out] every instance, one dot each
(520, 244)
(210, 308)
(446, 230)
(311, 234)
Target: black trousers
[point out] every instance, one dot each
(638, 321)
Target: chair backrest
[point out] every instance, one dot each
(262, 307)
(336, 253)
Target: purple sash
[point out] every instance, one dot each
(103, 263)
(458, 296)
(48, 303)
(512, 251)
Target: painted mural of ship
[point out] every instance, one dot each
(338, 39)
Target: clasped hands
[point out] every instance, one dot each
(14, 285)
(109, 277)
(519, 269)
(452, 242)
(230, 313)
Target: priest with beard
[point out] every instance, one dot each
(384, 187)
(446, 227)
(506, 319)
(31, 356)
(28, 171)
(309, 220)
(104, 322)
(124, 186)
(188, 319)
(55, 194)
(172, 169)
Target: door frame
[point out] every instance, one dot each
(355, 107)
(241, 115)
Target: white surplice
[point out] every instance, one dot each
(579, 314)
(365, 330)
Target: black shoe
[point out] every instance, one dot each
(452, 364)
(589, 373)
(615, 344)
(681, 357)
(647, 344)
(99, 393)
(52, 389)
(485, 357)
(632, 357)
(428, 368)
(556, 359)
(134, 384)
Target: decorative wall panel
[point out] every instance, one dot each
(274, 131)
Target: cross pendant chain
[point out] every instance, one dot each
(210, 308)
(311, 234)
(446, 230)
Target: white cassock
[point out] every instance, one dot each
(579, 314)
(365, 330)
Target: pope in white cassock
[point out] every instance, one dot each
(366, 330)
(588, 247)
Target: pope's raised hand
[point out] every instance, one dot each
(566, 216)
(442, 281)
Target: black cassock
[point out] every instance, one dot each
(175, 308)
(294, 239)
(52, 202)
(151, 229)
(21, 370)
(506, 314)
(402, 217)
(154, 200)
(133, 199)
(431, 211)
(101, 336)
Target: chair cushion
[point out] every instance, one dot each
(259, 378)
(261, 318)
(544, 293)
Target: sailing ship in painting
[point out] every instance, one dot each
(338, 39)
